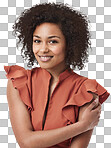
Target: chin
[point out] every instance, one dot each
(46, 67)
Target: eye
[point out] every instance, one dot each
(37, 41)
(53, 41)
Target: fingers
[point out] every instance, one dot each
(99, 103)
(93, 104)
(97, 110)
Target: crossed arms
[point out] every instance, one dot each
(80, 131)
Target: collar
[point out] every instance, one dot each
(66, 73)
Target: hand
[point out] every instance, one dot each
(90, 116)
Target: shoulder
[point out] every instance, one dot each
(11, 92)
(87, 85)
(78, 80)
(19, 85)
(16, 71)
(85, 82)
(86, 89)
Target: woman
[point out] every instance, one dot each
(50, 105)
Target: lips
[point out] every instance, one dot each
(45, 58)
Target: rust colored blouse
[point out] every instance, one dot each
(71, 92)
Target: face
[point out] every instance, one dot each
(49, 46)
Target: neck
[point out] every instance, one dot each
(55, 72)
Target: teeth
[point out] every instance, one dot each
(46, 57)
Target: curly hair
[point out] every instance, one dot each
(73, 24)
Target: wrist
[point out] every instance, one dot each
(84, 125)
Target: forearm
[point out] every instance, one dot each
(42, 139)
(82, 140)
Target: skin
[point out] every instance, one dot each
(28, 138)
(44, 43)
(82, 140)
(80, 131)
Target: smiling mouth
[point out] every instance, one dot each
(45, 58)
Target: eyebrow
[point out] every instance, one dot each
(48, 37)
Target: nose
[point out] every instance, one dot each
(44, 48)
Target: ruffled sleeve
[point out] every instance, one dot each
(21, 81)
(82, 96)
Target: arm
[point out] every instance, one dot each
(82, 140)
(23, 130)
